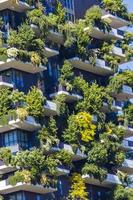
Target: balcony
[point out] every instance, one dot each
(29, 124)
(128, 130)
(115, 21)
(20, 6)
(55, 37)
(125, 93)
(53, 34)
(127, 166)
(20, 65)
(5, 82)
(78, 155)
(69, 96)
(5, 127)
(117, 51)
(50, 108)
(54, 149)
(99, 68)
(116, 106)
(50, 52)
(62, 171)
(15, 148)
(127, 144)
(5, 168)
(114, 34)
(110, 181)
(6, 188)
(11, 122)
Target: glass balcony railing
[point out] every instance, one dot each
(5, 79)
(127, 143)
(118, 104)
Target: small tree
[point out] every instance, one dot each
(5, 101)
(35, 102)
(78, 188)
(66, 76)
(93, 17)
(80, 130)
(48, 135)
(116, 7)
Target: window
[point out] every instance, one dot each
(17, 196)
(15, 137)
(69, 4)
(53, 70)
(18, 79)
(38, 197)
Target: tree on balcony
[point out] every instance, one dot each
(105, 154)
(48, 135)
(80, 131)
(35, 102)
(105, 52)
(116, 7)
(93, 98)
(117, 81)
(122, 193)
(93, 17)
(5, 155)
(78, 188)
(66, 76)
(27, 44)
(125, 45)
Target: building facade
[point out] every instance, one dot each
(68, 72)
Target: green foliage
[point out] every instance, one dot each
(125, 178)
(106, 51)
(93, 98)
(65, 157)
(59, 12)
(37, 17)
(66, 75)
(116, 7)
(23, 38)
(95, 171)
(122, 193)
(1, 22)
(69, 31)
(78, 188)
(93, 17)
(34, 161)
(128, 113)
(117, 81)
(82, 40)
(105, 154)
(52, 163)
(35, 102)
(113, 61)
(17, 177)
(98, 154)
(125, 45)
(80, 130)
(4, 101)
(17, 98)
(48, 135)
(111, 141)
(3, 54)
(1, 197)
(5, 155)
(62, 108)
(27, 43)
